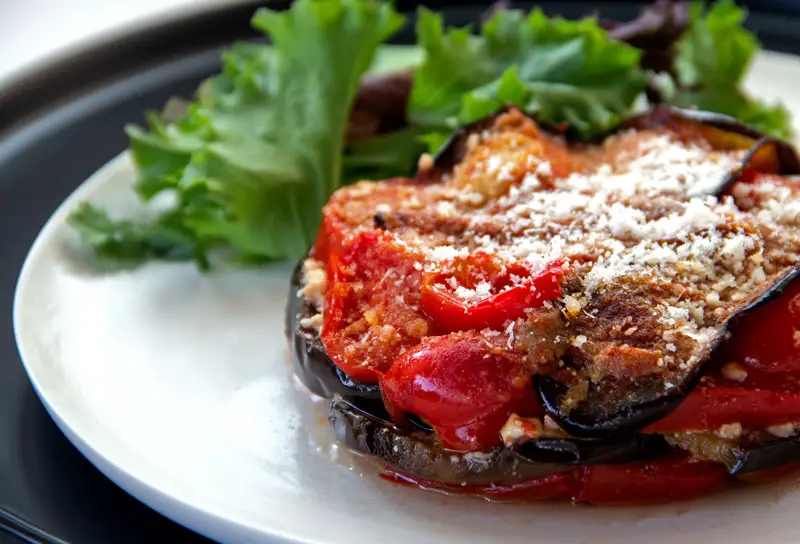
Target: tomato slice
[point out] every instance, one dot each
(669, 478)
(371, 311)
(463, 386)
(508, 302)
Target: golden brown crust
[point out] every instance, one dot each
(655, 266)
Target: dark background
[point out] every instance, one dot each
(56, 128)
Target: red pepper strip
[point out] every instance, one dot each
(365, 327)
(454, 314)
(753, 176)
(335, 313)
(766, 340)
(350, 211)
(711, 407)
(329, 238)
(670, 478)
(462, 386)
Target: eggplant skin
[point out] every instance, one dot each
(739, 458)
(309, 358)
(578, 451)
(629, 419)
(419, 454)
(766, 455)
(454, 150)
(723, 128)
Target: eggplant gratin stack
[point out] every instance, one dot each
(530, 317)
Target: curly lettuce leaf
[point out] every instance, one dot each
(562, 71)
(713, 57)
(125, 244)
(390, 155)
(258, 154)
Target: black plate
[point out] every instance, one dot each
(57, 127)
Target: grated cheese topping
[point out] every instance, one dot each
(314, 280)
(638, 218)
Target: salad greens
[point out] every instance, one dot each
(260, 152)
(253, 159)
(713, 56)
(564, 71)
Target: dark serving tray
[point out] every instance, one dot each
(57, 126)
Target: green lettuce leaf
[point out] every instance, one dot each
(563, 71)
(124, 244)
(394, 154)
(713, 57)
(258, 154)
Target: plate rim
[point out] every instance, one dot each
(181, 511)
(84, 47)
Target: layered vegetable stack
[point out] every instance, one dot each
(586, 293)
(529, 317)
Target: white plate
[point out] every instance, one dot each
(178, 386)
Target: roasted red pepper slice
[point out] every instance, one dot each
(709, 408)
(508, 303)
(767, 340)
(330, 238)
(463, 386)
(668, 478)
(674, 477)
(753, 175)
(754, 399)
(351, 210)
(371, 311)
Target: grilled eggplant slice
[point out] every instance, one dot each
(420, 455)
(766, 154)
(311, 362)
(739, 458)
(721, 131)
(766, 455)
(611, 408)
(581, 451)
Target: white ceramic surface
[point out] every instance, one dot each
(178, 386)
